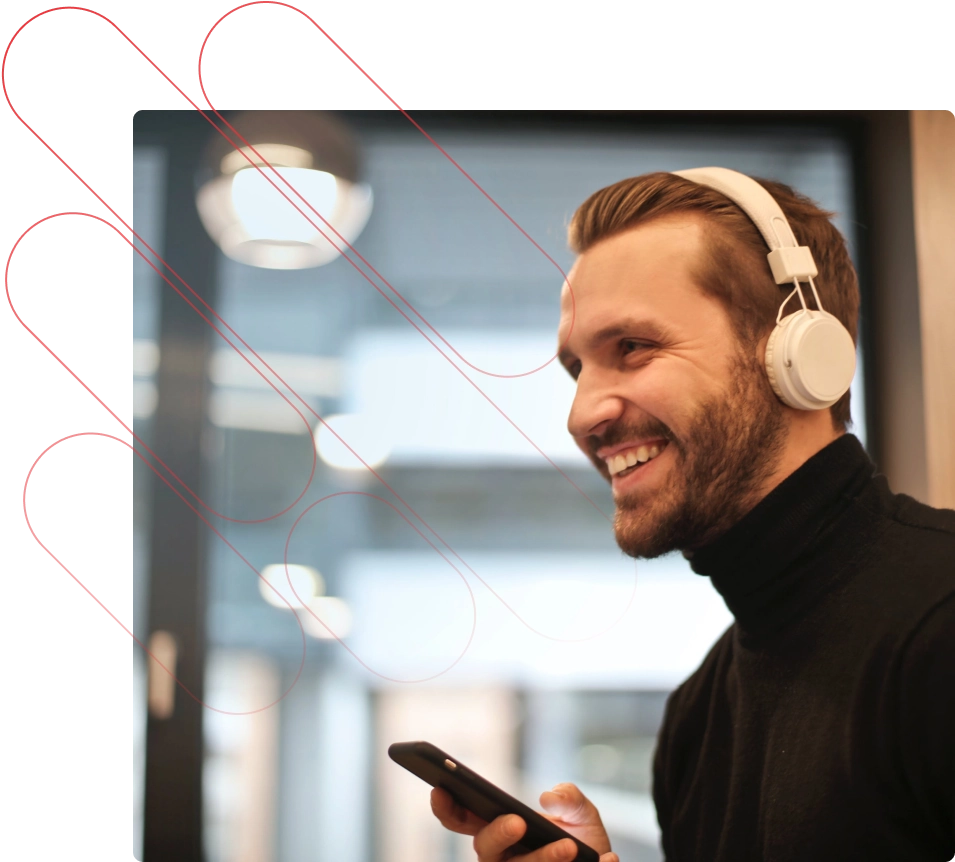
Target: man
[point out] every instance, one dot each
(821, 725)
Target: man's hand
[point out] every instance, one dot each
(567, 807)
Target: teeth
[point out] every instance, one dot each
(640, 455)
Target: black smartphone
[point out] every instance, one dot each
(477, 794)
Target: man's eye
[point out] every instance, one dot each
(628, 345)
(575, 370)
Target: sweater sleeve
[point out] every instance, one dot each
(927, 721)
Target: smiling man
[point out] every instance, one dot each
(821, 725)
(714, 450)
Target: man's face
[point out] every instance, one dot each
(657, 365)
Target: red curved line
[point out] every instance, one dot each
(3, 78)
(201, 300)
(345, 241)
(208, 508)
(354, 655)
(39, 138)
(339, 47)
(195, 496)
(370, 469)
(179, 682)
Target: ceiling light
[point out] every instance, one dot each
(365, 435)
(274, 585)
(248, 216)
(333, 612)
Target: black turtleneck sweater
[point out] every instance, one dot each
(821, 725)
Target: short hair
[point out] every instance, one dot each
(733, 267)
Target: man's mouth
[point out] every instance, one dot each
(630, 460)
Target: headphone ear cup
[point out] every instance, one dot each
(770, 368)
(810, 360)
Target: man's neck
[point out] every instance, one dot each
(809, 434)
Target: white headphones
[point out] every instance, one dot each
(810, 357)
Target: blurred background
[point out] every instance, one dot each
(528, 576)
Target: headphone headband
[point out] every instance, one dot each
(788, 260)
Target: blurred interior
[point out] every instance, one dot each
(540, 695)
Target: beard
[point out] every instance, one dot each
(733, 445)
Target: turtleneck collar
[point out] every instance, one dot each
(784, 553)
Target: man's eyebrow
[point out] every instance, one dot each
(651, 330)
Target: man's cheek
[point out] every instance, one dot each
(599, 465)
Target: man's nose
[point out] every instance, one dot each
(594, 408)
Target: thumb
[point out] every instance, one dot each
(570, 805)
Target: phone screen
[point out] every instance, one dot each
(479, 795)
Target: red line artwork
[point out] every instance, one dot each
(221, 328)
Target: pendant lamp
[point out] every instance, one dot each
(318, 156)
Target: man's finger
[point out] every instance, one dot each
(453, 816)
(570, 805)
(502, 832)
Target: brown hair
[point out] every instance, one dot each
(733, 267)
